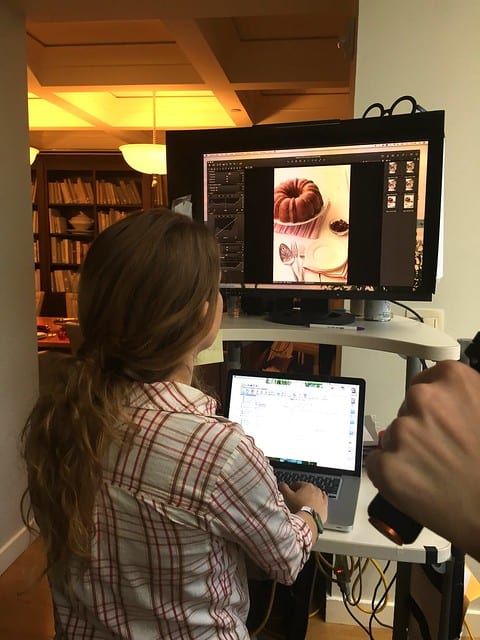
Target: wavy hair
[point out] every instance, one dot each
(143, 285)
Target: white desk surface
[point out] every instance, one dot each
(400, 335)
(366, 542)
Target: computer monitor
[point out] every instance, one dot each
(312, 211)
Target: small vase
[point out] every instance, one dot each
(81, 222)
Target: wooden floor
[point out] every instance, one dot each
(26, 613)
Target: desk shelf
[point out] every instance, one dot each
(400, 335)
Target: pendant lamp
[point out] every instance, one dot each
(147, 158)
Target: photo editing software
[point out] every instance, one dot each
(365, 230)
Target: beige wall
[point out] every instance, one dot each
(431, 50)
(18, 368)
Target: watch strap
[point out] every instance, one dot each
(315, 516)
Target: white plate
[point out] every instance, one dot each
(325, 255)
(41, 335)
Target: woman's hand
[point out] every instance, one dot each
(302, 494)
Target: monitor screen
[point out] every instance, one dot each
(328, 209)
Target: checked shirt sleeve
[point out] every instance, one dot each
(250, 511)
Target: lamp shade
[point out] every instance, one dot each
(33, 154)
(146, 158)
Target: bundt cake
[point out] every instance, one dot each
(296, 200)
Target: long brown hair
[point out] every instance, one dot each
(141, 303)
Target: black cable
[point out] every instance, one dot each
(359, 622)
(412, 311)
(355, 601)
(372, 617)
(419, 318)
(382, 599)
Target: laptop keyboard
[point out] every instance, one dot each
(329, 484)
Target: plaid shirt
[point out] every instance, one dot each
(175, 519)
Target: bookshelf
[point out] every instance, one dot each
(36, 243)
(75, 196)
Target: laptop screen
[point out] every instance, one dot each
(312, 421)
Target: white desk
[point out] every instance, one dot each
(365, 541)
(409, 338)
(413, 340)
(400, 335)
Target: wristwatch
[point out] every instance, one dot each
(315, 516)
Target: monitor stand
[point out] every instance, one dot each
(306, 312)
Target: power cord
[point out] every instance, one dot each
(409, 309)
(342, 574)
(347, 573)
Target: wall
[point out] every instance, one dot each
(431, 50)
(18, 361)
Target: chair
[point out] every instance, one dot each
(39, 297)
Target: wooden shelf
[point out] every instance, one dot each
(103, 187)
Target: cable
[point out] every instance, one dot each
(382, 603)
(319, 558)
(419, 318)
(355, 601)
(412, 311)
(342, 573)
(372, 617)
(383, 579)
(359, 622)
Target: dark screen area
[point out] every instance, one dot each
(258, 224)
(366, 219)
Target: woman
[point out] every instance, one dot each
(148, 503)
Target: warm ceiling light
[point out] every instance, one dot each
(147, 158)
(33, 154)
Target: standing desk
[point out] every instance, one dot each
(413, 340)
(365, 541)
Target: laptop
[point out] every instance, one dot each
(310, 428)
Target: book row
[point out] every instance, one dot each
(64, 251)
(64, 281)
(80, 191)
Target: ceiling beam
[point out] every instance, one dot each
(123, 137)
(196, 48)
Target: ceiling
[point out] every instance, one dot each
(94, 66)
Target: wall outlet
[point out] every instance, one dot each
(433, 317)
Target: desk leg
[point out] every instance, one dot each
(413, 367)
(234, 355)
(401, 612)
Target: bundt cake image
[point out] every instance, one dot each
(296, 200)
